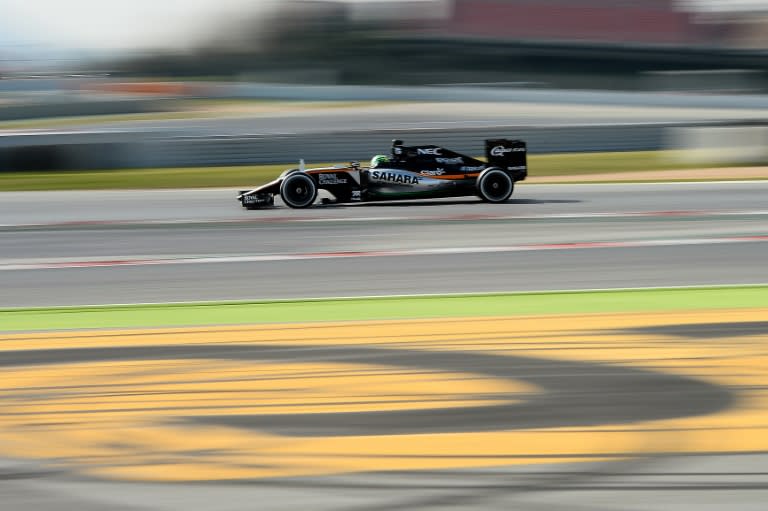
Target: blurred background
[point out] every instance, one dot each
(629, 45)
(152, 68)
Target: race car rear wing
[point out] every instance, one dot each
(507, 154)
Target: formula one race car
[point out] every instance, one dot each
(411, 172)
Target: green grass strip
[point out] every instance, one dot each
(473, 305)
(569, 166)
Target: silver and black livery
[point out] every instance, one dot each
(426, 171)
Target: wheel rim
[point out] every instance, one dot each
(299, 192)
(497, 186)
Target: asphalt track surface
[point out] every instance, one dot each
(75, 248)
(70, 248)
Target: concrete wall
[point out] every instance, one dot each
(70, 150)
(69, 107)
(720, 144)
(86, 150)
(138, 149)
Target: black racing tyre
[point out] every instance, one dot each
(298, 190)
(495, 186)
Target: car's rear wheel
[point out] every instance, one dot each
(298, 190)
(495, 185)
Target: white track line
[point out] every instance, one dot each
(255, 258)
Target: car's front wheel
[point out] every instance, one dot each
(495, 185)
(298, 190)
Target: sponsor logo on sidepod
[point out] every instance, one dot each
(391, 177)
(331, 179)
(434, 151)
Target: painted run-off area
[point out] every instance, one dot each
(144, 418)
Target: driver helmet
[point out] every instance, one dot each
(378, 160)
